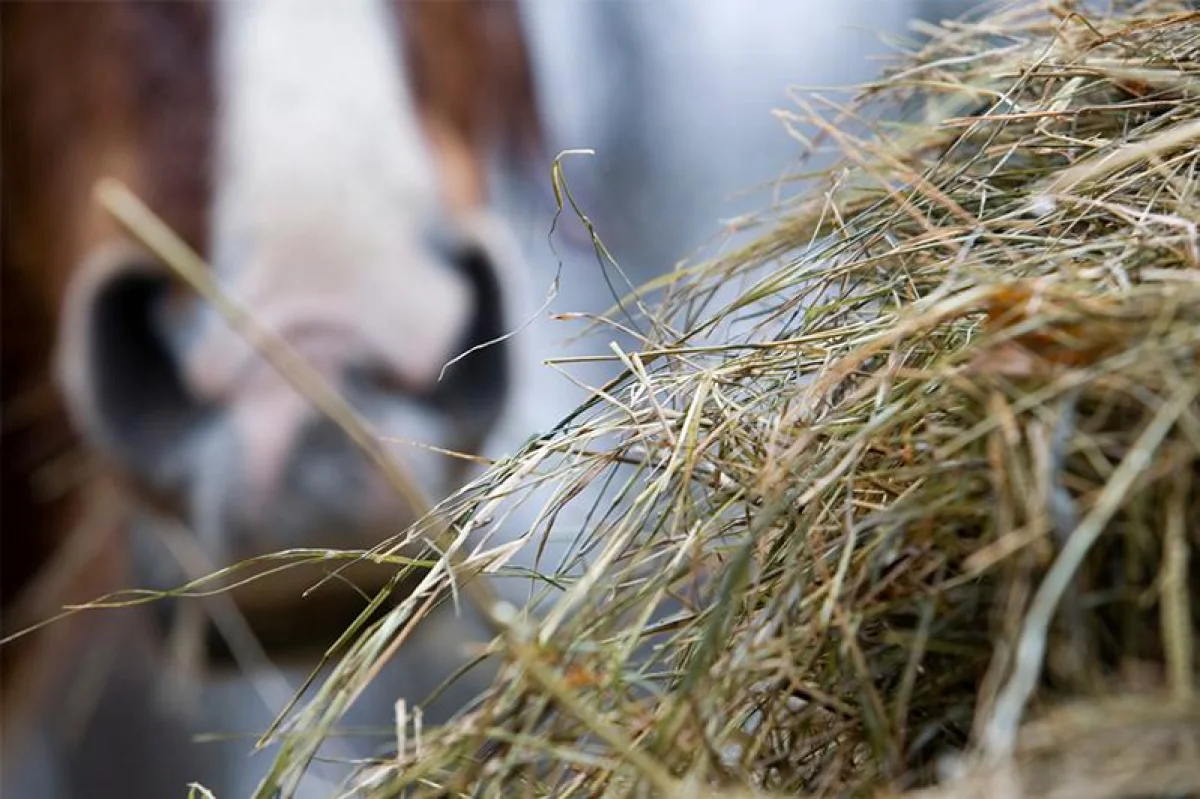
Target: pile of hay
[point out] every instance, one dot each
(903, 497)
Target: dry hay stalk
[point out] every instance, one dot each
(914, 474)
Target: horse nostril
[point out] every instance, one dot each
(472, 380)
(476, 379)
(120, 371)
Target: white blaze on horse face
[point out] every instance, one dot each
(323, 186)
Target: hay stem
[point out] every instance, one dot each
(1000, 733)
(1176, 614)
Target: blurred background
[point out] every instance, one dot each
(676, 100)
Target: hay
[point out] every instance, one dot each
(903, 497)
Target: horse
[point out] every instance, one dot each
(330, 161)
(350, 171)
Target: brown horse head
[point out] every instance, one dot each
(329, 160)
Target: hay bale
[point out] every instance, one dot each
(917, 474)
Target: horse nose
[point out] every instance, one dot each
(298, 469)
(301, 478)
(158, 383)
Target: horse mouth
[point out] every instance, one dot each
(289, 618)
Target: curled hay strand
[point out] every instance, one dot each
(914, 474)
